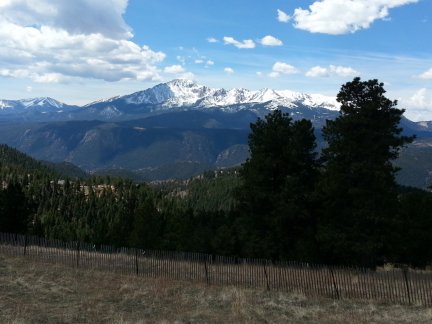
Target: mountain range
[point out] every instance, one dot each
(173, 130)
(176, 95)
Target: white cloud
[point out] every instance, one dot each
(283, 68)
(318, 71)
(174, 69)
(212, 40)
(282, 16)
(426, 75)
(247, 43)
(210, 62)
(199, 61)
(343, 16)
(418, 104)
(270, 41)
(259, 73)
(75, 17)
(422, 98)
(229, 70)
(57, 41)
(343, 71)
(274, 74)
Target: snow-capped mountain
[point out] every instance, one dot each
(40, 105)
(186, 93)
(178, 96)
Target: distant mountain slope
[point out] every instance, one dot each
(20, 163)
(172, 145)
(134, 145)
(13, 158)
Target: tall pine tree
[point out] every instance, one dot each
(278, 179)
(358, 188)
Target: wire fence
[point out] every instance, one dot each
(400, 286)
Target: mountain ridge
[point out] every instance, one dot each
(183, 92)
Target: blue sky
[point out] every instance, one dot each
(82, 50)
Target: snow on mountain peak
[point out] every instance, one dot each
(183, 92)
(41, 102)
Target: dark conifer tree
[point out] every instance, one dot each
(14, 211)
(278, 179)
(358, 188)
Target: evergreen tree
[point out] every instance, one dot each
(14, 211)
(358, 188)
(278, 179)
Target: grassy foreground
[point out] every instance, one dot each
(35, 292)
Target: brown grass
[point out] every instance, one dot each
(36, 292)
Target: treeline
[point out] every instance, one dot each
(183, 215)
(287, 202)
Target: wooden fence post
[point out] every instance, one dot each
(266, 275)
(136, 261)
(25, 244)
(334, 283)
(206, 270)
(405, 273)
(78, 254)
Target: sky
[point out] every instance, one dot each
(83, 50)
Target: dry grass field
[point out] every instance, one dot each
(36, 292)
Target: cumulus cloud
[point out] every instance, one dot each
(274, 74)
(229, 70)
(422, 98)
(270, 41)
(343, 71)
(318, 71)
(343, 16)
(418, 104)
(75, 17)
(247, 43)
(174, 69)
(210, 62)
(212, 40)
(282, 68)
(282, 16)
(426, 75)
(56, 41)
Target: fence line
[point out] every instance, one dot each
(402, 286)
